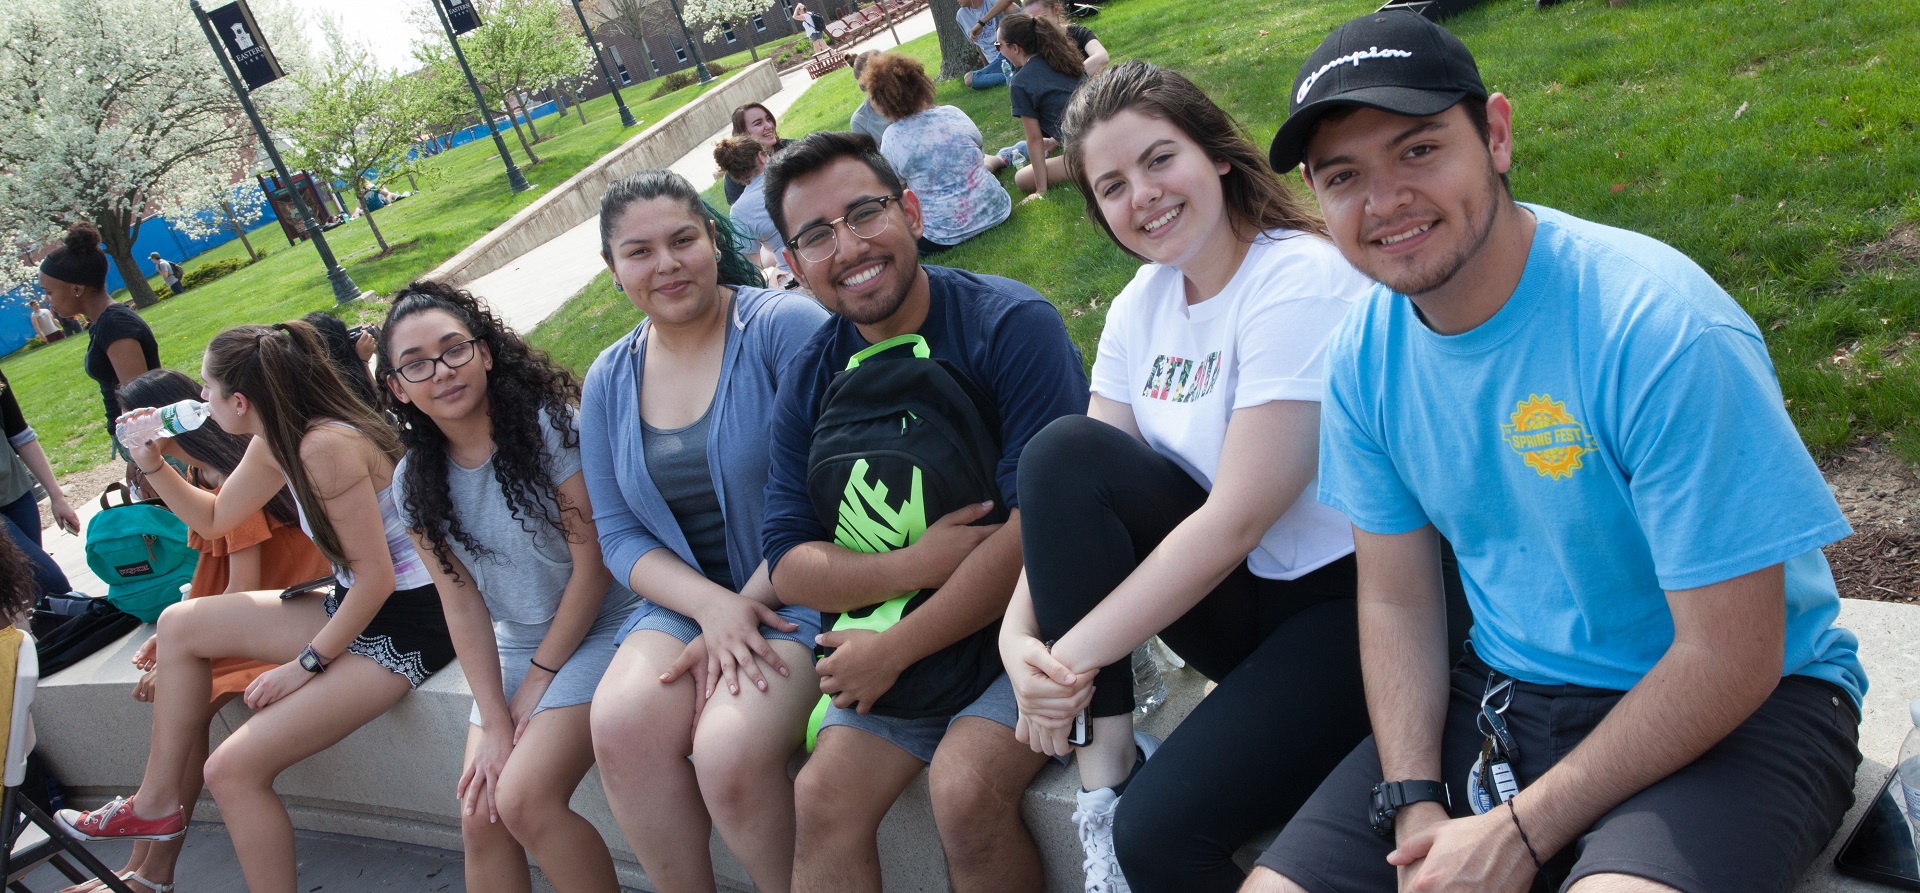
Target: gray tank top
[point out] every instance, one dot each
(677, 462)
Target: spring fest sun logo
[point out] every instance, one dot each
(1547, 438)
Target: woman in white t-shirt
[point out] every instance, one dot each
(1182, 504)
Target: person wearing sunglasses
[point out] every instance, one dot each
(851, 229)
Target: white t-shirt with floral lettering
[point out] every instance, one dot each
(1185, 369)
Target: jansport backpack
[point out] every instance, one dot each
(903, 439)
(139, 549)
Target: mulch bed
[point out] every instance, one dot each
(1878, 564)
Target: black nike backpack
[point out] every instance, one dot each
(903, 439)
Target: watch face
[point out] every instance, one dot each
(310, 661)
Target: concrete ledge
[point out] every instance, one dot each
(578, 199)
(394, 778)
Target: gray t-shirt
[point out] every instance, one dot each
(677, 461)
(527, 565)
(869, 122)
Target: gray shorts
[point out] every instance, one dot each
(578, 677)
(1749, 815)
(921, 737)
(684, 628)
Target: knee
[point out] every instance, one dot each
(825, 811)
(968, 806)
(735, 783)
(1152, 855)
(227, 772)
(174, 629)
(629, 733)
(527, 810)
(479, 833)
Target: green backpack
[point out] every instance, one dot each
(139, 549)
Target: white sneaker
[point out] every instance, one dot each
(1093, 815)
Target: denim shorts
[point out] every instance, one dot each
(921, 737)
(684, 628)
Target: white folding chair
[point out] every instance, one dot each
(28, 837)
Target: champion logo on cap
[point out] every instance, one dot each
(1354, 58)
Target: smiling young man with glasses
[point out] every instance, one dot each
(927, 690)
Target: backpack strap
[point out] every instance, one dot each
(920, 348)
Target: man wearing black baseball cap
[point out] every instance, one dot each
(1655, 697)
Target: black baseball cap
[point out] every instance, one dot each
(1395, 61)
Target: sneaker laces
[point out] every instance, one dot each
(108, 811)
(1096, 839)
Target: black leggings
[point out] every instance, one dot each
(1289, 706)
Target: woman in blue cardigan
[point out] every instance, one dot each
(673, 439)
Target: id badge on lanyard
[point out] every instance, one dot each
(1490, 780)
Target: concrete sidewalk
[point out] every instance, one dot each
(328, 862)
(530, 288)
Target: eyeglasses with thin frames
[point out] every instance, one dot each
(866, 219)
(454, 357)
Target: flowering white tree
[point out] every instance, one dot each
(351, 122)
(225, 199)
(718, 14)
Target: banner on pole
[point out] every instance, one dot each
(462, 14)
(245, 44)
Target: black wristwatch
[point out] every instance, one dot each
(311, 662)
(1390, 796)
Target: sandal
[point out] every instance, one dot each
(135, 877)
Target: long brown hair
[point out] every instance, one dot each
(283, 369)
(1046, 39)
(1256, 199)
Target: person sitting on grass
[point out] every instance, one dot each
(745, 159)
(936, 149)
(865, 119)
(757, 121)
(983, 30)
(491, 492)
(1083, 37)
(1047, 69)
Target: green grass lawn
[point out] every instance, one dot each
(1772, 142)
(464, 195)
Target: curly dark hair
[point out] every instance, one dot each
(16, 581)
(523, 382)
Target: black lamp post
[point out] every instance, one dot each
(514, 177)
(698, 64)
(344, 289)
(626, 115)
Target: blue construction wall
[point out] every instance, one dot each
(156, 234)
(479, 131)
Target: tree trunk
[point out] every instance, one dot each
(958, 55)
(528, 111)
(753, 48)
(887, 11)
(579, 105)
(368, 214)
(240, 231)
(116, 239)
(526, 147)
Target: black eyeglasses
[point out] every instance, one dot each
(867, 219)
(455, 357)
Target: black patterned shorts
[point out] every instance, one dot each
(408, 636)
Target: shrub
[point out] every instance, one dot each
(672, 82)
(207, 272)
(716, 69)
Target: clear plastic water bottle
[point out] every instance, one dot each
(1908, 769)
(1149, 688)
(166, 421)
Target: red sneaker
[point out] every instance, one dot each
(116, 821)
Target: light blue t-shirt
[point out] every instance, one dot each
(750, 217)
(968, 16)
(1614, 432)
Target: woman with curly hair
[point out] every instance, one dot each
(673, 433)
(266, 551)
(491, 490)
(344, 653)
(1047, 69)
(936, 150)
